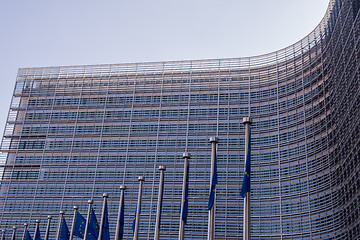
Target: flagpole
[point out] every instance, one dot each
(186, 157)
(105, 196)
(25, 228)
(90, 202)
(48, 228)
(246, 232)
(13, 235)
(211, 223)
(141, 180)
(61, 215)
(162, 169)
(121, 203)
(36, 228)
(73, 223)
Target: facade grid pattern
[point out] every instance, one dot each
(76, 132)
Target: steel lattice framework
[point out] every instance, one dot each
(75, 132)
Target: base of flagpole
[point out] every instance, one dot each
(246, 231)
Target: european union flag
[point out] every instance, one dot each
(79, 228)
(37, 236)
(246, 181)
(64, 232)
(27, 235)
(93, 232)
(213, 184)
(105, 225)
(134, 221)
(186, 197)
(122, 220)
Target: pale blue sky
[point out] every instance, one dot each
(36, 33)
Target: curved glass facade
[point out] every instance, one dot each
(76, 132)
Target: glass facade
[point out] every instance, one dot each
(76, 132)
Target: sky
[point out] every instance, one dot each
(43, 33)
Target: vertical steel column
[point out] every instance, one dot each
(141, 180)
(211, 223)
(246, 232)
(159, 203)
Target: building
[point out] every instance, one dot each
(76, 132)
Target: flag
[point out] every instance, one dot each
(134, 221)
(37, 236)
(27, 235)
(79, 227)
(213, 184)
(64, 232)
(105, 225)
(121, 220)
(186, 197)
(246, 181)
(93, 231)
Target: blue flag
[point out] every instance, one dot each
(213, 185)
(64, 232)
(134, 221)
(79, 228)
(122, 220)
(93, 232)
(186, 197)
(105, 225)
(27, 235)
(246, 181)
(37, 236)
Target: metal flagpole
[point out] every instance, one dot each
(47, 228)
(159, 203)
(105, 196)
(25, 228)
(141, 180)
(13, 234)
(211, 224)
(90, 202)
(61, 215)
(122, 189)
(246, 232)
(36, 228)
(73, 223)
(186, 157)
